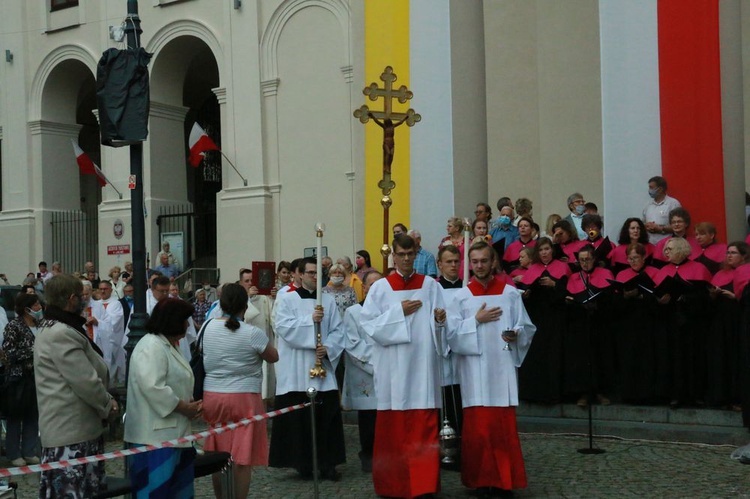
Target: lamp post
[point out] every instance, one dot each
(139, 316)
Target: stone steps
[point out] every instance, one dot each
(710, 426)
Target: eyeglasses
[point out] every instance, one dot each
(404, 254)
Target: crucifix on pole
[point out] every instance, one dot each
(388, 120)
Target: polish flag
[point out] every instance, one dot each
(664, 87)
(86, 166)
(199, 142)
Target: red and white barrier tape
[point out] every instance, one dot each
(57, 465)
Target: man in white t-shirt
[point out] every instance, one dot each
(656, 212)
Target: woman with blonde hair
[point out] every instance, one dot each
(118, 283)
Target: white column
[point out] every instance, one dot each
(631, 129)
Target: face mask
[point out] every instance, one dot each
(337, 280)
(206, 287)
(504, 220)
(652, 193)
(38, 315)
(580, 209)
(129, 299)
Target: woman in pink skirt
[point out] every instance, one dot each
(233, 355)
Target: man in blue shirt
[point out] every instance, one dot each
(502, 227)
(166, 269)
(424, 261)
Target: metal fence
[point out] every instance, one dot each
(75, 237)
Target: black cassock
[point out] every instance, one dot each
(588, 349)
(722, 348)
(687, 322)
(540, 375)
(641, 345)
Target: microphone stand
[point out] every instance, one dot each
(588, 305)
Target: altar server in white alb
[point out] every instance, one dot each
(401, 314)
(296, 316)
(359, 386)
(490, 332)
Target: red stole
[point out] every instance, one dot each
(577, 283)
(556, 269)
(513, 251)
(687, 270)
(724, 279)
(716, 252)
(628, 274)
(741, 278)
(570, 249)
(519, 271)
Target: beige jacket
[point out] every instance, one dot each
(71, 387)
(159, 378)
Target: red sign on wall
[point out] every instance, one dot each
(118, 249)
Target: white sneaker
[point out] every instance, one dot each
(19, 461)
(32, 460)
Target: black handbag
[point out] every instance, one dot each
(19, 395)
(196, 364)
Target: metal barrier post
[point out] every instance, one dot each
(312, 393)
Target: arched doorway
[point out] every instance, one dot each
(70, 200)
(184, 75)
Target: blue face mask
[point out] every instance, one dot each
(129, 299)
(652, 193)
(504, 220)
(38, 315)
(580, 209)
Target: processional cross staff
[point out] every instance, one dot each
(388, 120)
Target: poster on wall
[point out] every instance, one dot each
(176, 242)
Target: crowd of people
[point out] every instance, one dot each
(550, 314)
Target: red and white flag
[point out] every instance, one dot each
(199, 142)
(86, 166)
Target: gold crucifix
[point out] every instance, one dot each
(388, 120)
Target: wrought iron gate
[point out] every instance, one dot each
(75, 238)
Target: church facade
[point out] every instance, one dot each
(524, 98)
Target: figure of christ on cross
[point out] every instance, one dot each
(387, 119)
(389, 144)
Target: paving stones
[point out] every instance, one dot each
(629, 468)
